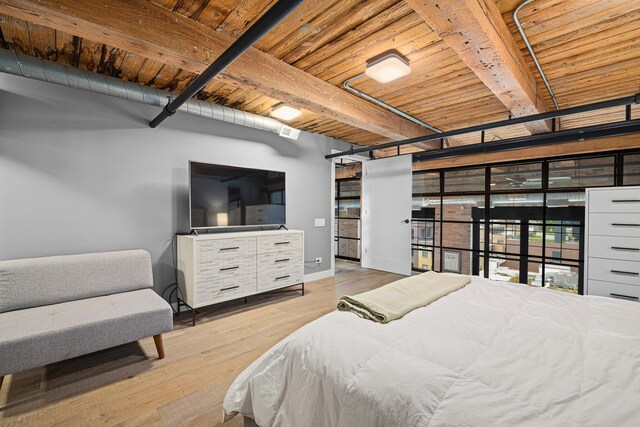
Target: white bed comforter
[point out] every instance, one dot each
(488, 354)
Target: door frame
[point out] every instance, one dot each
(356, 158)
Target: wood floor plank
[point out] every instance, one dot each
(129, 386)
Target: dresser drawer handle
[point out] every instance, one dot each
(230, 287)
(623, 296)
(620, 248)
(625, 273)
(283, 277)
(230, 249)
(626, 201)
(282, 260)
(282, 243)
(230, 268)
(618, 224)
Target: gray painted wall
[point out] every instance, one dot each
(84, 173)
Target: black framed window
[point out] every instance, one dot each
(631, 169)
(582, 173)
(464, 180)
(347, 219)
(515, 177)
(515, 222)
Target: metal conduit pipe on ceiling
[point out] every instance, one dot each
(65, 75)
(347, 86)
(531, 52)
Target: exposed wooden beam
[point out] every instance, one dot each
(153, 32)
(476, 31)
(585, 147)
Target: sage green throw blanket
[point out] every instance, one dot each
(392, 301)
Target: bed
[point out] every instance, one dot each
(488, 354)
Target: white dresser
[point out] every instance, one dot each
(612, 250)
(213, 268)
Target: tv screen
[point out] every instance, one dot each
(229, 196)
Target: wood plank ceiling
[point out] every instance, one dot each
(589, 49)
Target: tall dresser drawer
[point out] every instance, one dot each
(614, 224)
(614, 290)
(623, 248)
(616, 271)
(615, 200)
(284, 242)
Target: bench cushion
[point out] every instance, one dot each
(34, 282)
(38, 336)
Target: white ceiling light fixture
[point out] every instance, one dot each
(285, 112)
(388, 68)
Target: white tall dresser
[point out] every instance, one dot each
(213, 268)
(612, 250)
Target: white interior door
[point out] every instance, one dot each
(386, 214)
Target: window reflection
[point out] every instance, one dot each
(465, 180)
(516, 177)
(589, 172)
(426, 182)
(631, 173)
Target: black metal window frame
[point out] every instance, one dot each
(337, 217)
(485, 223)
(423, 247)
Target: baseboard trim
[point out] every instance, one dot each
(319, 275)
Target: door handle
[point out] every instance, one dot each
(406, 221)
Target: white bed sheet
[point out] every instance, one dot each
(488, 354)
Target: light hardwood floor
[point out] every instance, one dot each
(129, 385)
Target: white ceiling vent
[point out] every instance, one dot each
(289, 132)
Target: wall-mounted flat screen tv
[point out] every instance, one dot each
(229, 196)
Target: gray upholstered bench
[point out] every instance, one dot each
(56, 308)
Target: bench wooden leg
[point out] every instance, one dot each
(1, 379)
(159, 346)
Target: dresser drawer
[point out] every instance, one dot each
(227, 295)
(224, 267)
(224, 288)
(283, 242)
(614, 290)
(616, 271)
(623, 248)
(207, 250)
(615, 200)
(267, 261)
(280, 276)
(614, 224)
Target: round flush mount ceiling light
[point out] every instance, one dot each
(387, 68)
(285, 112)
